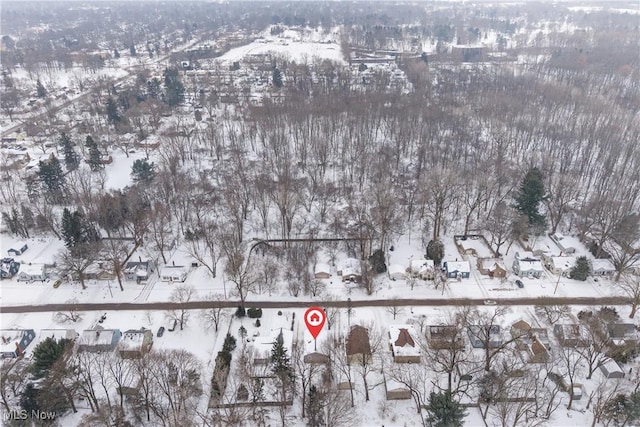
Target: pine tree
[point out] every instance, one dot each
(112, 112)
(47, 353)
(142, 171)
(42, 92)
(314, 407)
(71, 159)
(132, 49)
(95, 158)
(116, 54)
(435, 251)
(50, 173)
(174, 90)
(71, 228)
(276, 76)
(529, 196)
(444, 411)
(581, 270)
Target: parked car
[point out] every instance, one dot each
(173, 325)
(519, 284)
(57, 284)
(490, 302)
(160, 331)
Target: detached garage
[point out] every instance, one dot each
(611, 369)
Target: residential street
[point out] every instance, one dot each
(195, 305)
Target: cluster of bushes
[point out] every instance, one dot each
(254, 313)
(223, 364)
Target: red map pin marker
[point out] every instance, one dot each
(314, 318)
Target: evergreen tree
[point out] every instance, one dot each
(581, 270)
(314, 407)
(444, 411)
(47, 353)
(173, 88)
(29, 398)
(71, 228)
(95, 158)
(435, 251)
(132, 49)
(153, 88)
(276, 76)
(71, 159)
(116, 54)
(377, 261)
(18, 224)
(142, 171)
(529, 196)
(112, 112)
(42, 92)
(50, 173)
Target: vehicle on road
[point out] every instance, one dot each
(160, 331)
(519, 284)
(490, 302)
(57, 284)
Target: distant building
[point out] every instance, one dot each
(173, 273)
(572, 335)
(526, 264)
(18, 249)
(457, 269)
(481, 336)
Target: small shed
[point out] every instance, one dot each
(322, 271)
(397, 272)
(611, 369)
(396, 391)
(18, 249)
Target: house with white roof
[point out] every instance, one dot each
(397, 272)
(322, 271)
(135, 343)
(560, 265)
(99, 339)
(457, 269)
(526, 264)
(567, 244)
(31, 272)
(492, 267)
(138, 271)
(173, 273)
(403, 345)
(423, 269)
(602, 267)
(13, 342)
(18, 248)
(350, 270)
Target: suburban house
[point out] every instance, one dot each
(560, 265)
(492, 267)
(396, 272)
(457, 269)
(32, 272)
(395, 390)
(58, 334)
(566, 244)
(602, 267)
(403, 346)
(623, 334)
(442, 337)
(322, 271)
(526, 264)
(8, 268)
(480, 334)
(134, 344)
(350, 270)
(173, 273)
(262, 345)
(13, 342)
(611, 369)
(99, 339)
(18, 249)
(423, 269)
(531, 348)
(358, 344)
(138, 271)
(571, 335)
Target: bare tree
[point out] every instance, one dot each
(394, 309)
(498, 224)
(601, 396)
(181, 295)
(630, 285)
(212, 316)
(13, 379)
(552, 313)
(239, 267)
(71, 315)
(570, 367)
(78, 259)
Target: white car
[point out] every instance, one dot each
(490, 302)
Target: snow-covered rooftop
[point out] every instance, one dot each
(93, 337)
(402, 339)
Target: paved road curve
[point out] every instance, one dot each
(195, 305)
